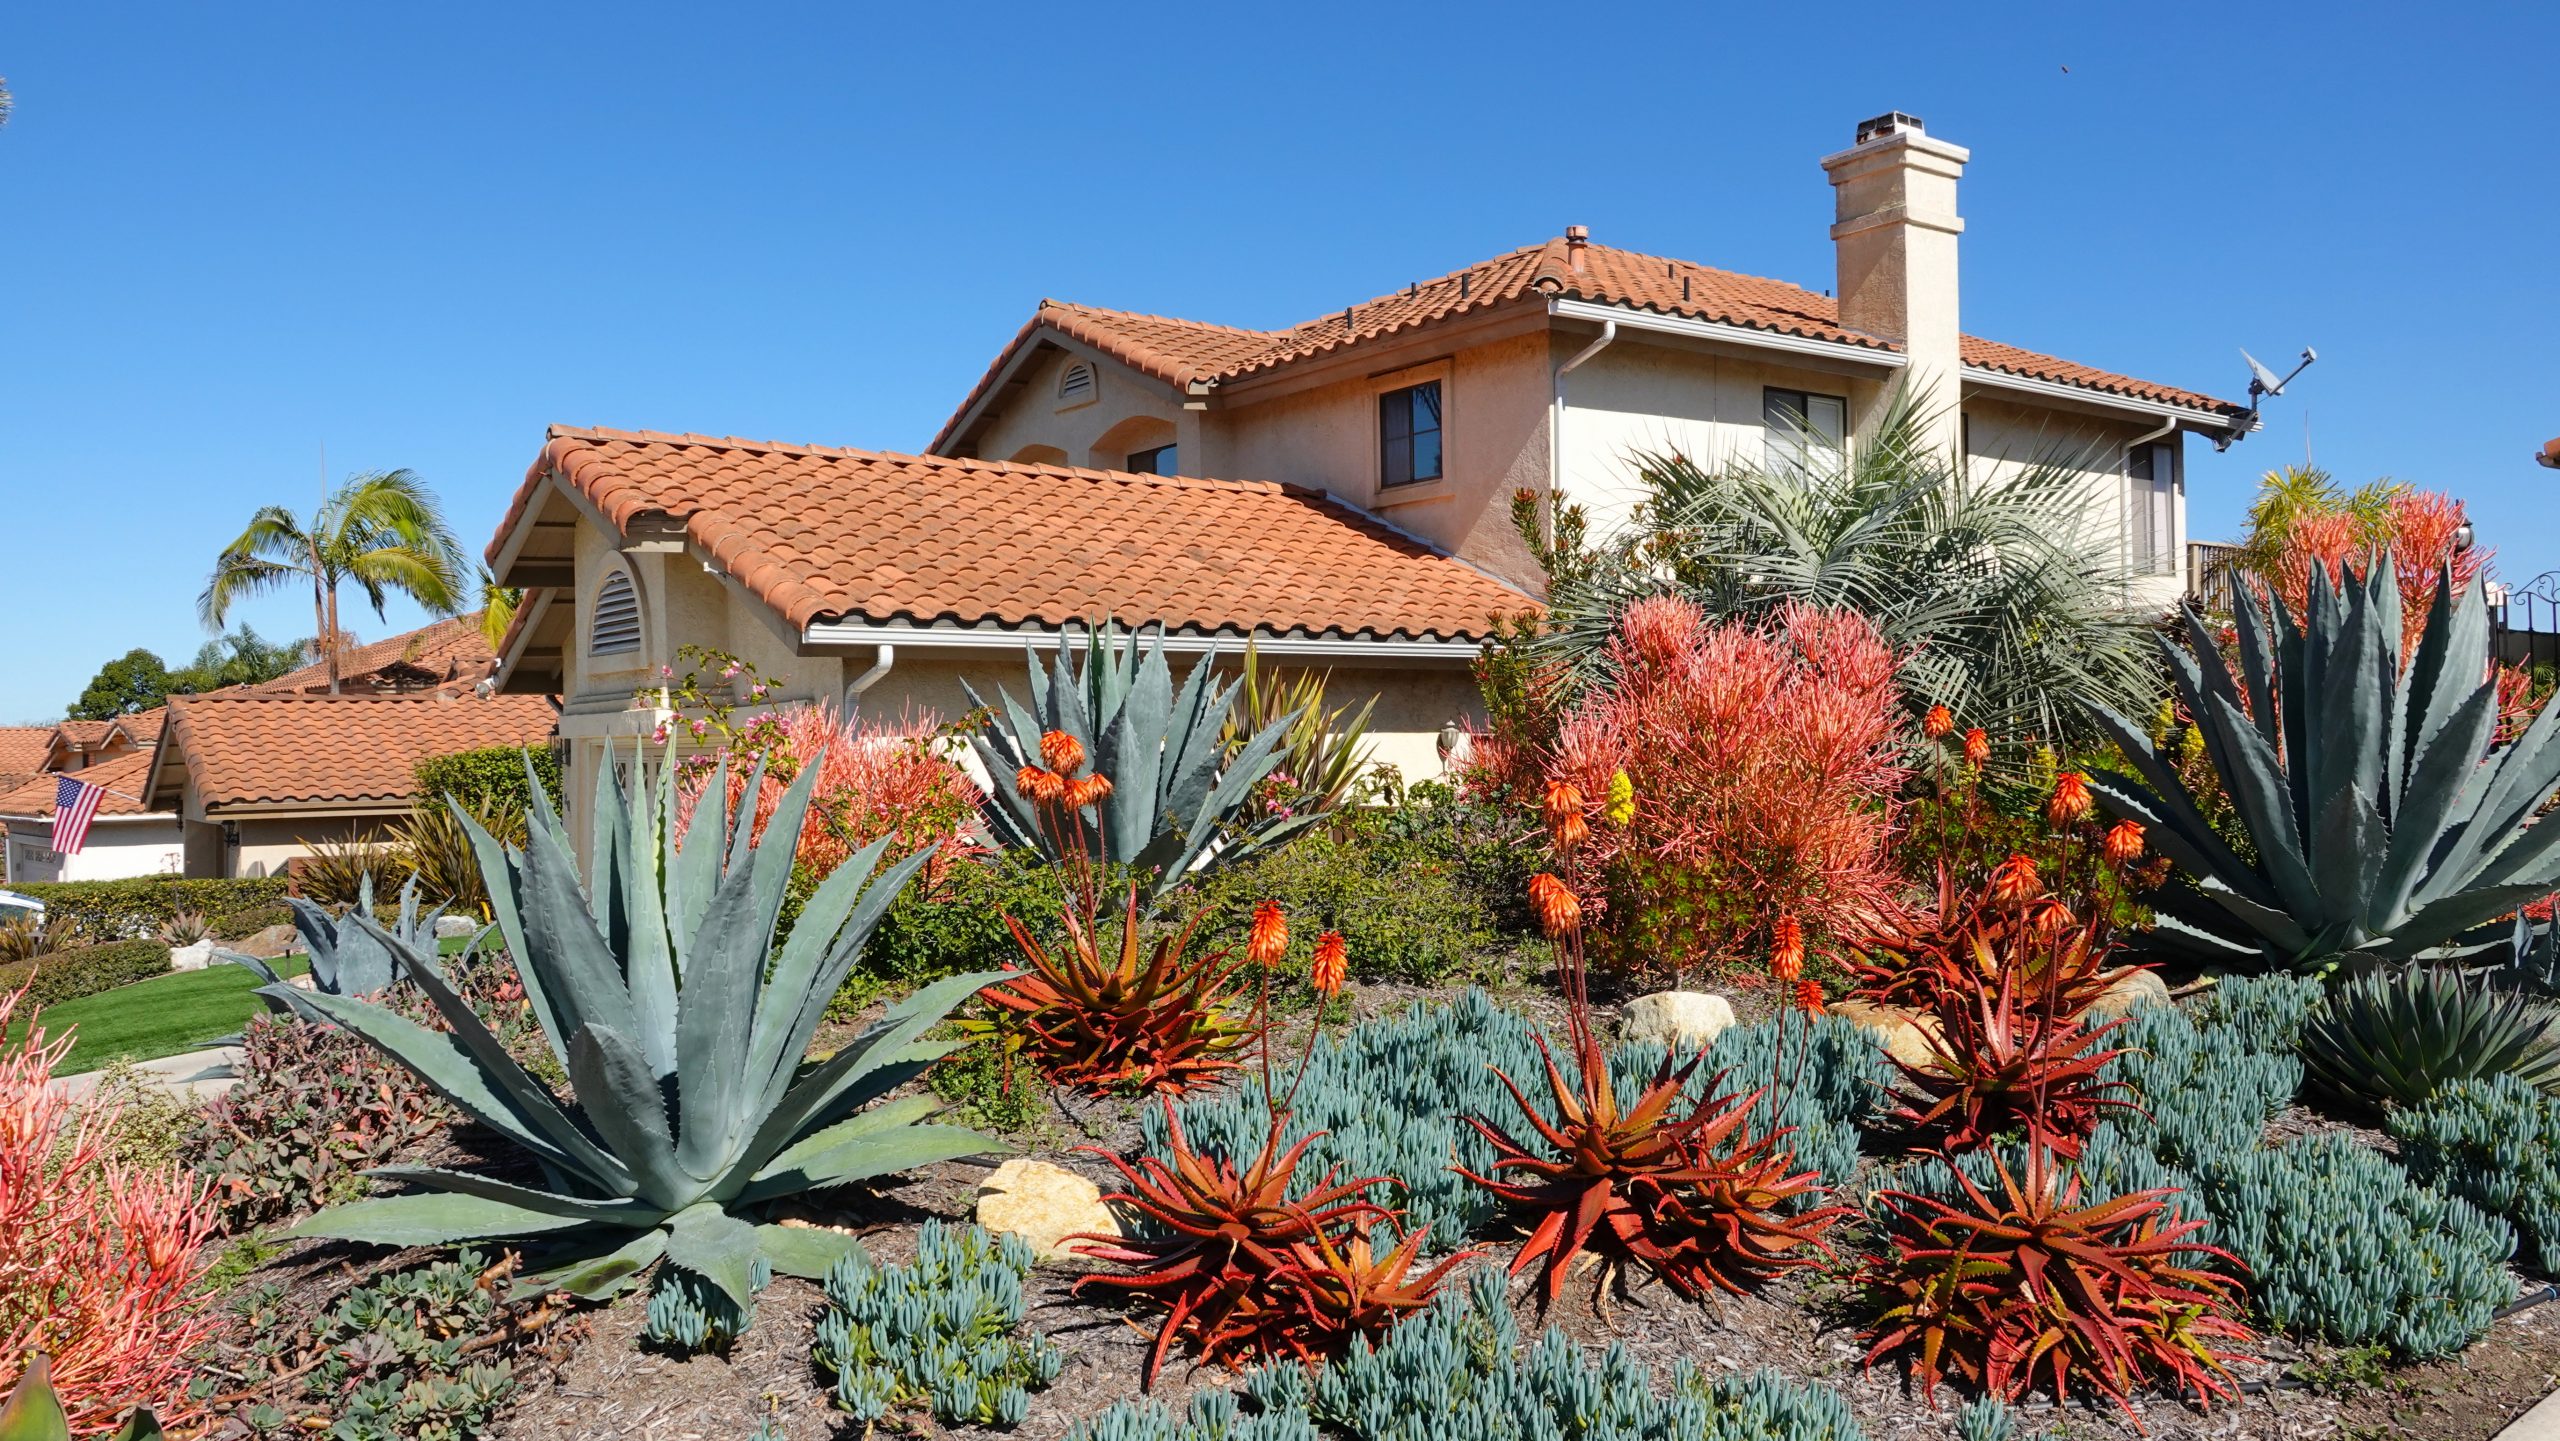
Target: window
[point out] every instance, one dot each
(1161, 460)
(616, 627)
(1801, 425)
(1075, 385)
(1409, 435)
(2151, 510)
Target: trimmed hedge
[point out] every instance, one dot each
(490, 779)
(132, 909)
(85, 971)
(240, 925)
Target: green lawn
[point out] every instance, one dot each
(158, 1017)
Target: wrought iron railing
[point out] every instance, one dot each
(2524, 621)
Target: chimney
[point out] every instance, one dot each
(1894, 237)
(1577, 238)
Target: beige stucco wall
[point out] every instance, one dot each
(268, 844)
(117, 848)
(2007, 436)
(1127, 412)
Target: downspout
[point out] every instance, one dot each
(1555, 428)
(886, 657)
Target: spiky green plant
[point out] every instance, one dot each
(2001, 600)
(34, 1413)
(346, 960)
(1326, 748)
(2383, 819)
(1179, 793)
(683, 1033)
(2396, 1037)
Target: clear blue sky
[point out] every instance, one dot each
(231, 235)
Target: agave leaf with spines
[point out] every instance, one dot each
(2387, 822)
(2397, 1037)
(345, 960)
(682, 1031)
(1177, 793)
(33, 1412)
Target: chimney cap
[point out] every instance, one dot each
(1892, 122)
(1577, 235)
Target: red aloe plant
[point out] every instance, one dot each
(1121, 1014)
(2022, 1285)
(1695, 1197)
(99, 1260)
(1999, 1062)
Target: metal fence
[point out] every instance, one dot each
(2209, 575)
(2524, 621)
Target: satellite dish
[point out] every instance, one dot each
(2262, 383)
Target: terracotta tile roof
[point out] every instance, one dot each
(144, 726)
(84, 733)
(2550, 454)
(244, 747)
(24, 750)
(124, 778)
(819, 533)
(1184, 352)
(448, 652)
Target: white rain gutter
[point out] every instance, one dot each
(1682, 325)
(2170, 416)
(855, 632)
(1555, 426)
(881, 661)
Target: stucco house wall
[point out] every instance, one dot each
(118, 848)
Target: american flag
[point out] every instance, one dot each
(75, 802)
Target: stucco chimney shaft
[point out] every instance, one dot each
(1894, 238)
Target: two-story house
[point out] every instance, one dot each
(1339, 489)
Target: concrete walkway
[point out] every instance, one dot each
(2542, 1423)
(191, 1076)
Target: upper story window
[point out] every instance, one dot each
(1802, 425)
(2151, 510)
(1409, 434)
(615, 628)
(1157, 460)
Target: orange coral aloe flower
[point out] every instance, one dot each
(1268, 942)
(1977, 747)
(2015, 881)
(1061, 752)
(1557, 908)
(1809, 997)
(1938, 723)
(1786, 951)
(2070, 802)
(2124, 843)
(1040, 787)
(1564, 815)
(1085, 791)
(1332, 964)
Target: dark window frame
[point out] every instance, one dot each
(1402, 442)
(1792, 408)
(1156, 460)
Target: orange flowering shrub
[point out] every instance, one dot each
(98, 1259)
(1761, 762)
(873, 781)
(2416, 534)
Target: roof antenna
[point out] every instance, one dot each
(2263, 383)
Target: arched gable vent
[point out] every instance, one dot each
(616, 628)
(1076, 382)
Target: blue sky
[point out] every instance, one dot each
(233, 235)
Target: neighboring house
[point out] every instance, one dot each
(1339, 490)
(24, 752)
(446, 654)
(2550, 453)
(886, 580)
(256, 778)
(77, 745)
(127, 837)
(1548, 368)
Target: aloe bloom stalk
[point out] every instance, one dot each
(683, 1033)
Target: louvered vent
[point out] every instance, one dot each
(617, 624)
(1076, 384)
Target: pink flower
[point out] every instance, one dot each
(701, 728)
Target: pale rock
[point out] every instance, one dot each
(1044, 1205)
(191, 958)
(2128, 991)
(448, 927)
(1681, 1021)
(1905, 1034)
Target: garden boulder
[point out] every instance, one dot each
(2127, 991)
(1044, 1205)
(191, 957)
(1681, 1021)
(1904, 1034)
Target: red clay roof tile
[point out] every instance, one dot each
(1184, 352)
(243, 747)
(821, 533)
(444, 652)
(24, 750)
(122, 776)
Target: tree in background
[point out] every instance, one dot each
(2302, 519)
(134, 681)
(382, 530)
(242, 657)
(497, 608)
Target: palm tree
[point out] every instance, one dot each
(2007, 602)
(497, 607)
(381, 530)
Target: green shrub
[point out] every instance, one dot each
(958, 925)
(943, 1334)
(315, 1108)
(240, 925)
(129, 909)
(1412, 890)
(85, 971)
(2496, 1144)
(1458, 1370)
(490, 779)
(1390, 1094)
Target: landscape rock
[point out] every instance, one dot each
(448, 927)
(1904, 1034)
(2129, 990)
(1043, 1204)
(191, 958)
(1683, 1021)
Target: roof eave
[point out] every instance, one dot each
(862, 631)
(2186, 416)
